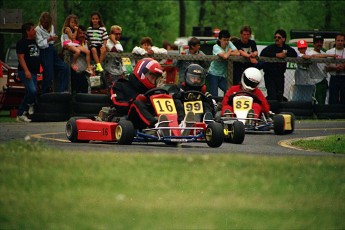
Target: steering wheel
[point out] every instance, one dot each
(192, 95)
(244, 93)
(154, 91)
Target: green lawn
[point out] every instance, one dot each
(43, 188)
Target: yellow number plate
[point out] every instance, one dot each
(194, 106)
(243, 103)
(164, 106)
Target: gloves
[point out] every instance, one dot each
(141, 97)
(208, 94)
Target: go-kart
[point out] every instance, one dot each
(242, 102)
(109, 127)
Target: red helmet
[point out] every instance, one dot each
(146, 67)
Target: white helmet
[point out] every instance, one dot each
(251, 78)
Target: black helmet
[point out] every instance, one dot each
(195, 75)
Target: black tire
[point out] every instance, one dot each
(124, 132)
(296, 105)
(278, 123)
(55, 97)
(214, 134)
(84, 107)
(53, 107)
(293, 119)
(237, 133)
(71, 130)
(49, 117)
(298, 112)
(92, 98)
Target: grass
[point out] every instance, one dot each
(48, 188)
(5, 116)
(332, 144)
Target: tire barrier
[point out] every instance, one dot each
(89, 105)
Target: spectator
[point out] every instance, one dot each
(250, 79)
(113, 66)
(45, 38)
(195, 81)
(127, 95)
(29, 65)
(248, 50)
(97, 37)
(317, 71)
(274, 72)
(217, 73)
(79, 79)
(194, 49)
(69, 41)
(146, 47)
(337, 71)
(301, 73)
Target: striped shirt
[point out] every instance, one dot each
(96, 36)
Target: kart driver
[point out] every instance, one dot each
(250, 79)
(127, 95)
(195, 81)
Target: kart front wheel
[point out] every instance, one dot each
(237, 133)
(278, 124)
(214, 135)
(71, 130)
(124, 132)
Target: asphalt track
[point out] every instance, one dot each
(52, 134)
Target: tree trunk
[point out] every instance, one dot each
(202, 13)
(182, 26)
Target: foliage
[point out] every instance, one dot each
(44, 188)
(160, 19)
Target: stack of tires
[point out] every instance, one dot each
(52, 107)
(329, 111)
(300, 109)
(89, 105)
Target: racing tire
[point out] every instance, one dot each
(71, 130)
(55, 97)
(49, 117)
(278, 124)
(92, 98)
(214, 135)
(293, 118)
(124, 132)
(237, 133)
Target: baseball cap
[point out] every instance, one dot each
(317, 38)
(302, 44)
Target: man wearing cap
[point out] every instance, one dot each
(337, 71)
(317, 71)
(274, 71)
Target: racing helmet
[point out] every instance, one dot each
(145, 69)
(251, 78)
(195, 75)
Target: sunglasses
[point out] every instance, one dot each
(277, 37)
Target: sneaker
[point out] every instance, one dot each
(31, 109)
(228, 113)
(99, 68)
(23, 118)
(208, 118)
(163, 121)
(250, 115)
(187, 122)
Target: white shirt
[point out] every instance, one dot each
(42, 36)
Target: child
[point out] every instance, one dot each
(250, 79)
(146, 47)
(97, 36)
(69, 41)
(113, 43)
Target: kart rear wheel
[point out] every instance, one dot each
(292, 122)
(71, 130)
(237, 133)
(278, 124)
(214, 135)
(124, 132)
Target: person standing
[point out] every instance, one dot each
(217, 73)
(337, 71)
(248, 50)
(28, 68)
(274, 71)
(45, 38)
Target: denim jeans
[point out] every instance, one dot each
(30, 91)
(51, 62)
(216, 81)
